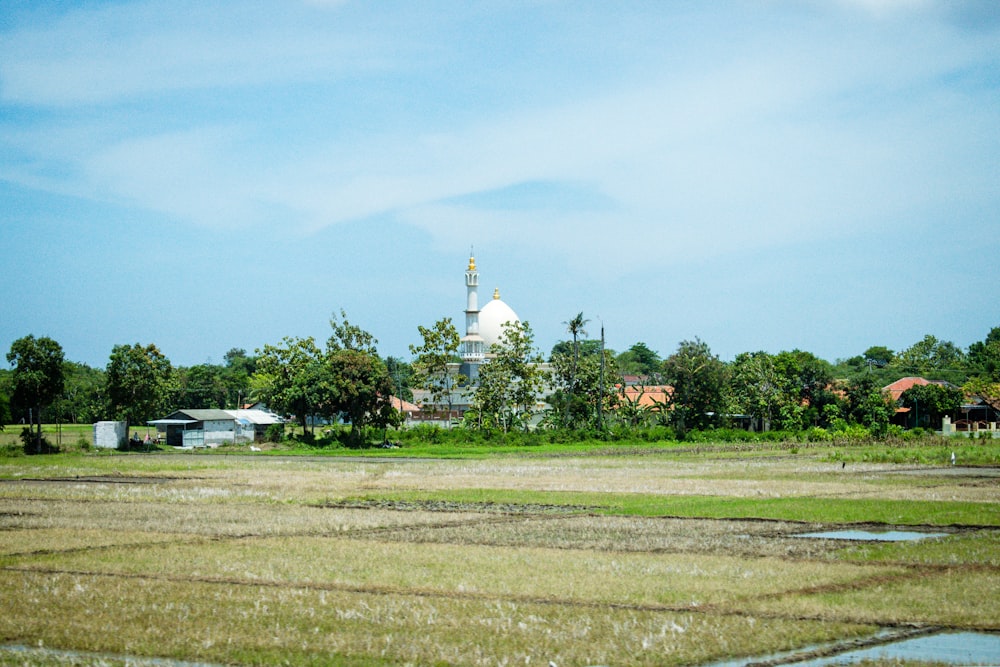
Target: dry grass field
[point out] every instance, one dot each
(587, 560)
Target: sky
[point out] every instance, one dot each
(760, 175)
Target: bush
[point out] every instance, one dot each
(275, 433)
(33, 445)
(818, 434)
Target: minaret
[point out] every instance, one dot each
(473, 346)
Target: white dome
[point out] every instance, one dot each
(492, 317)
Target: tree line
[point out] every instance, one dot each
(582, 383)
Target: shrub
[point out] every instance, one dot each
(275, 433)
(32, 445)
(818, 434)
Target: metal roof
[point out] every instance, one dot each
(192, 416)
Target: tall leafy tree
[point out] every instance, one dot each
(511, 381)
(984, 356)
(37, 378)
(291, 378)
(347, 336)
(640, 360)
(202, 387)
(139, 381)
(83, 398)
(361, 389)
(937, 359)
(575, 329)
(402, 375)
(928, 403)
(579, 409)
(698, 378)
(236, 376)
(439, 348)
(806, 381)
(868, 405)
(758, 388)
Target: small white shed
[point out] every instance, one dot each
(110, 435)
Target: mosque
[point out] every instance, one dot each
(483, 328)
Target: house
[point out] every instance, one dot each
(211, 428)
(650, 397)
(411, 411)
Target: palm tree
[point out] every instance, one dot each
(575, 328)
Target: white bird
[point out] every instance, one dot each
(953, 458)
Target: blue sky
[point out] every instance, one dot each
(762, 175)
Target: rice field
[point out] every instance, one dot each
(589, 560)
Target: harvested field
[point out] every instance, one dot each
(235, 560)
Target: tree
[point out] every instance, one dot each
(575, 329)
(984, 356)
(439, 348)
(361, 389)
(928, 403)
(139, 380)
(37, 379)
(640, 360)
(236, 376)
(202, 387)
(291, 379)
(932, 357)
(806, 379)
(879, 355)
(347, 336)
(510, 382)
(868, 406)
(758, 388)
(579, 409)
(698, 379)
(82, 400)
(402, 375)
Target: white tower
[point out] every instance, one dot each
(473, 346)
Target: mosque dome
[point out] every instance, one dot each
(492, 317)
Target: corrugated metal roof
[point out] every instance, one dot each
(257, 416)
(206, 415)
(189, 416)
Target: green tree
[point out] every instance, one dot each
(640, 360)
(758, 388)
(879, 355)
(933, 358)
(867, 405)
(139, 382)
(698, 379)
(202, 387)
(511, 381)
(82, 400)
(347, 336)
(928, 403)
(236, 376)
(806, 382)
(37, 378)
(579, 409)
(439, 348)
(575, 329)
(403, 377)
(361, 390)
(984, 356)
(291, 378)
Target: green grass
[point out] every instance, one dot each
(804, 509)
(518, 557)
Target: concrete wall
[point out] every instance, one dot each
(110, 435)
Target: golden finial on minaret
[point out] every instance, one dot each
(496, 293)
(472, 259)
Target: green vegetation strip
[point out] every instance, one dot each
(803, 509)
